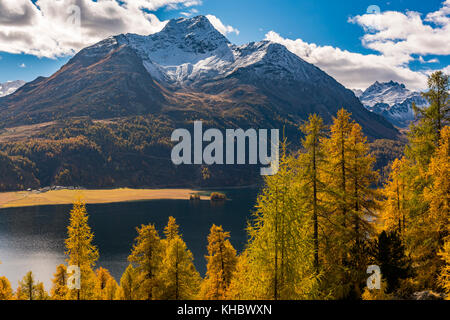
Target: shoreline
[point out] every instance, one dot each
(19, 199)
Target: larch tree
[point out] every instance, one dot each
(433, 225)
(146, 257)
(41, 294)
(425, 133)
(81, 251)
(29, 289)
(59, 288)
(426, 179)
(395, 192)
(337, 148)
(438, 193)
(6, 292)
(240, 287)
(338, 196)
(129, 285)
(362, 196)
(436, 116)
(349, 200)
(221, 263)
(171, 231)
(179, 278)
(280, 251)
(105, 285)
(310, 166)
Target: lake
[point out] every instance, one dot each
(32, 238)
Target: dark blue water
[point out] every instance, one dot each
(33, 238)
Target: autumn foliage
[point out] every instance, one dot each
(316, 227)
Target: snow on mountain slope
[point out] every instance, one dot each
(188, 50)
(358, 92)
(10, 87)
(393, 101)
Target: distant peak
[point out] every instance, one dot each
(387, 84)
(395, 84)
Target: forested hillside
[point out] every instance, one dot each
(127, 152)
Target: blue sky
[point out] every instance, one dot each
(320, 23)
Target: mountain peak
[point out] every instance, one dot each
(389, 84)
(189, 24)
(392, 100)
(197, 28)
(180, 39)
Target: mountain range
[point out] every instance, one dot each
(393, 101)
(188, 68)
(104, 119)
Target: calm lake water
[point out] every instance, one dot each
(33, 238)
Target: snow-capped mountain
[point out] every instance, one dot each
(190, 50)
(393, 101)
(10, 87)
(188, 70)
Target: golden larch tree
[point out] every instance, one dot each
(146, 256)
(59, 290)
(180, 280)
(81, 251)
(129, 286)
(106, 287)
(6, 292)
(29, 289)
(221, 263)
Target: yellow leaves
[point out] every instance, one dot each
(147, 255)
(171, 230)
(30, 290)
(6, 292)
(416, 203)
(445, 273)
(105, 286)
(178, 277)
(129, 285)
(59, 289)
(280, 249)
(438, 193)
(396, 192)
(221, 263)
(80, 249)
(239, 288)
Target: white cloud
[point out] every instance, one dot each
(50, 28)
(395, 36)
(189, 13)
(220, 26)
(399, 35)
(422, 60)
(22, 65)
(353, 70)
